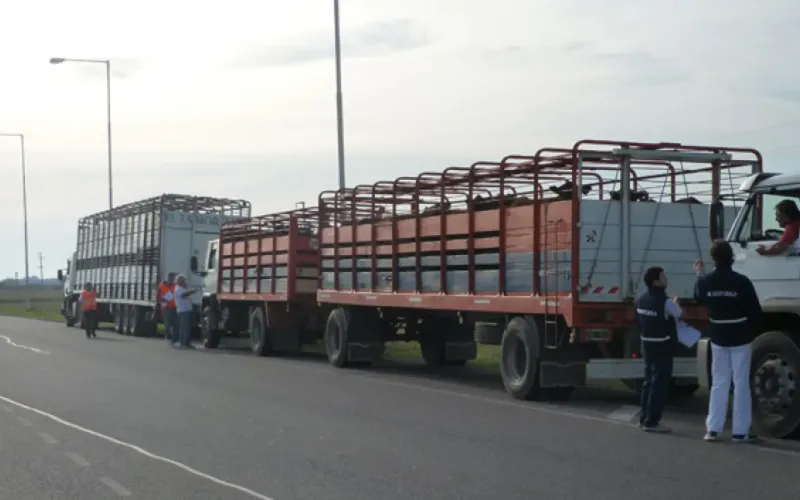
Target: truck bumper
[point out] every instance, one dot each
(629, 369)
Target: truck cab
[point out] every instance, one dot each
(776, 350)
(208, 270)
(71, 291)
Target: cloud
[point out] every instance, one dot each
(630, 69)
(371, 40)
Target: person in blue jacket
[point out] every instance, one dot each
(656, 315)
(734, 315)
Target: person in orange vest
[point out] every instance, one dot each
(88, 300)
(166, 301)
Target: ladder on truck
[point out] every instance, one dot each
(552, 326)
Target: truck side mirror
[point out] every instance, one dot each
(60, 275)
(193, 264)
(716, 220)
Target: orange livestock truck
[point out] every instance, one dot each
(550, 247)
(261, 280)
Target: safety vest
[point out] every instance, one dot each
(654, 325)
(164, 289)
(88, 301)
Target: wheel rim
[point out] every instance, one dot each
(774, 385)
(516, 360)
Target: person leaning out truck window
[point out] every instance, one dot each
(788, 217)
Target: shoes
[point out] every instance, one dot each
(711, 437)
(744, 438)
(656, 429)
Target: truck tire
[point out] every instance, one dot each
(488, 333)
(259, 333)
(773, 378)
(119, 325)
(211, 335)
(69, 313)
(519, 359)
(139, 323)
(337, 333)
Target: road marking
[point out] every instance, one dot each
(29, 348)
(24, 421)
(625, 413)
(77, 459)
(138, 449)
(118, 488)
(48, 438)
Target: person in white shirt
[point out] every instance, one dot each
(183, 307)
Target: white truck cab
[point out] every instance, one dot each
(776, 278)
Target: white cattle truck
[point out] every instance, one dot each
(125, 252)
(776, 278)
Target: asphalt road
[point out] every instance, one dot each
(122, 417)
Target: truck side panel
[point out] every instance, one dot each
(670, 235)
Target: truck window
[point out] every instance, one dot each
(760, 216)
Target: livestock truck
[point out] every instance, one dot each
(261, 278)
(540, 255)
(550, 247)
(776, 350)
(126, 251)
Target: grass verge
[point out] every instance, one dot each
(32, 304)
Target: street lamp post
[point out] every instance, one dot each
(60, 60)
(339, 103)
(24, 200)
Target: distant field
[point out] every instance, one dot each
(44, 304)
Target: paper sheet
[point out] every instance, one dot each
(687, 335)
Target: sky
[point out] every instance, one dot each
(237, 99)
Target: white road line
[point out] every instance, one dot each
(48, 438)
(24, 421)
(625, 413)
(138, 449)
(14, 344)
(118, 488)
(77, 459)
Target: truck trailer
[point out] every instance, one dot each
(775, 363)
(261, 278)
(551, 246)
(126, 251)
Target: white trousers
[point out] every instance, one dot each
(730, 364)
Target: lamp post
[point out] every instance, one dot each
(24, 200)
(60, 60)
(339, 103)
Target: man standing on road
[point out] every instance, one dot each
(166, 301)
(656, 315)
(88, 300)
(183, 306)
(734, 315)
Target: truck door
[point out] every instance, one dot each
(774, 276)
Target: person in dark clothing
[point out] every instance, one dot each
(735, 315)
(656, 315)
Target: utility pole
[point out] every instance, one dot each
(41, 267)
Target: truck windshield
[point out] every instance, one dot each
(757, 222)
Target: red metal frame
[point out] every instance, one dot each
(507, 181)
(266, 242)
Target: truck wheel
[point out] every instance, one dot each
(139, 321)
(259, 333)
(488, 333)
(336, 338)
(128, 319)
(69, 313)
(118, 324)
(774, 370)
(519, 359)
(211, 335)
(78, 316)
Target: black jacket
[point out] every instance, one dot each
(733, 308)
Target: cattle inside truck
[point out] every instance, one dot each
(551, 246)
(261, 279)
(126, 251)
